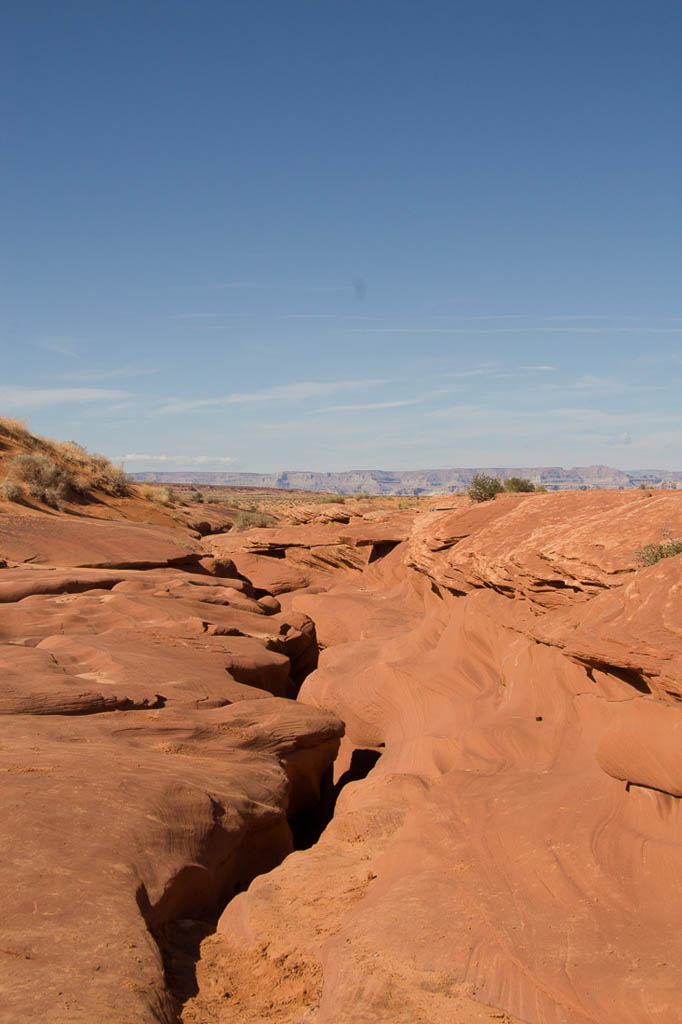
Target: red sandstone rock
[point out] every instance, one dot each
(517, 844)
(146, 770)
(62, 541)
(507, 674)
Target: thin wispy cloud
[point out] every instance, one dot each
(615, 329)
(296, 391)
(612, 385)
(208, 316)
(367, 405)
(62, 347)
(625, 438)
(274, 285)
(37, 398)
(116, 374)
(538, 317)
(189, 460)
(310, 316)
(215, 325)
(483, 370)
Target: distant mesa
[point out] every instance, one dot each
(426, 481)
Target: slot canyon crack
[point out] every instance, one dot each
(466, 809)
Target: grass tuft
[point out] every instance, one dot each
(667, 547)
(249, 520)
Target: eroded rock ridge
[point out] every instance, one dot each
(499, 689)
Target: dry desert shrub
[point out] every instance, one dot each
(73, 452)
(519, 485)
(161, 495)
(484, 487)
(57, 470)
(667, 547)
(114, 480)
(45, 479)
(16, 430)
(248, 520)
(10, 490)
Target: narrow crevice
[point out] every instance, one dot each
(194, 900)
(381, 548)
(633, 677)
(189, 913)
(308, 826)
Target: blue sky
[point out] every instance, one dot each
(335, 234)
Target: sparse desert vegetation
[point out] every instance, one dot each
(667, 547)
(484, 487)
(160, 494)
(10, 490)
(249, 520)
(54, 472)
(519, 485)
(42, 477)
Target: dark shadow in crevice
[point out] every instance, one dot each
(361, 764)
(631, 676)
(308, 826)
(381, 548)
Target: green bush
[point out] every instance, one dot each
(666, 548)
(332, 499)
(484, 487)
(519, 485)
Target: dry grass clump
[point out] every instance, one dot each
(16, 430)
(667, 547)
(10, 490)
(160, 495)
(114, 480)
(249, 520)
(44, 478)
(56, 471)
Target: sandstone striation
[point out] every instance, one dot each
(149, 761)
(510, 680)
(499, 691)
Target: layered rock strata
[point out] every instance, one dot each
(511, 682)
(150, 761)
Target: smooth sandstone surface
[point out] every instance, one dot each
(149, 761)
(503, 838)
(512, 682)
(84, 541)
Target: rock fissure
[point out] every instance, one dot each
(388, 793)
